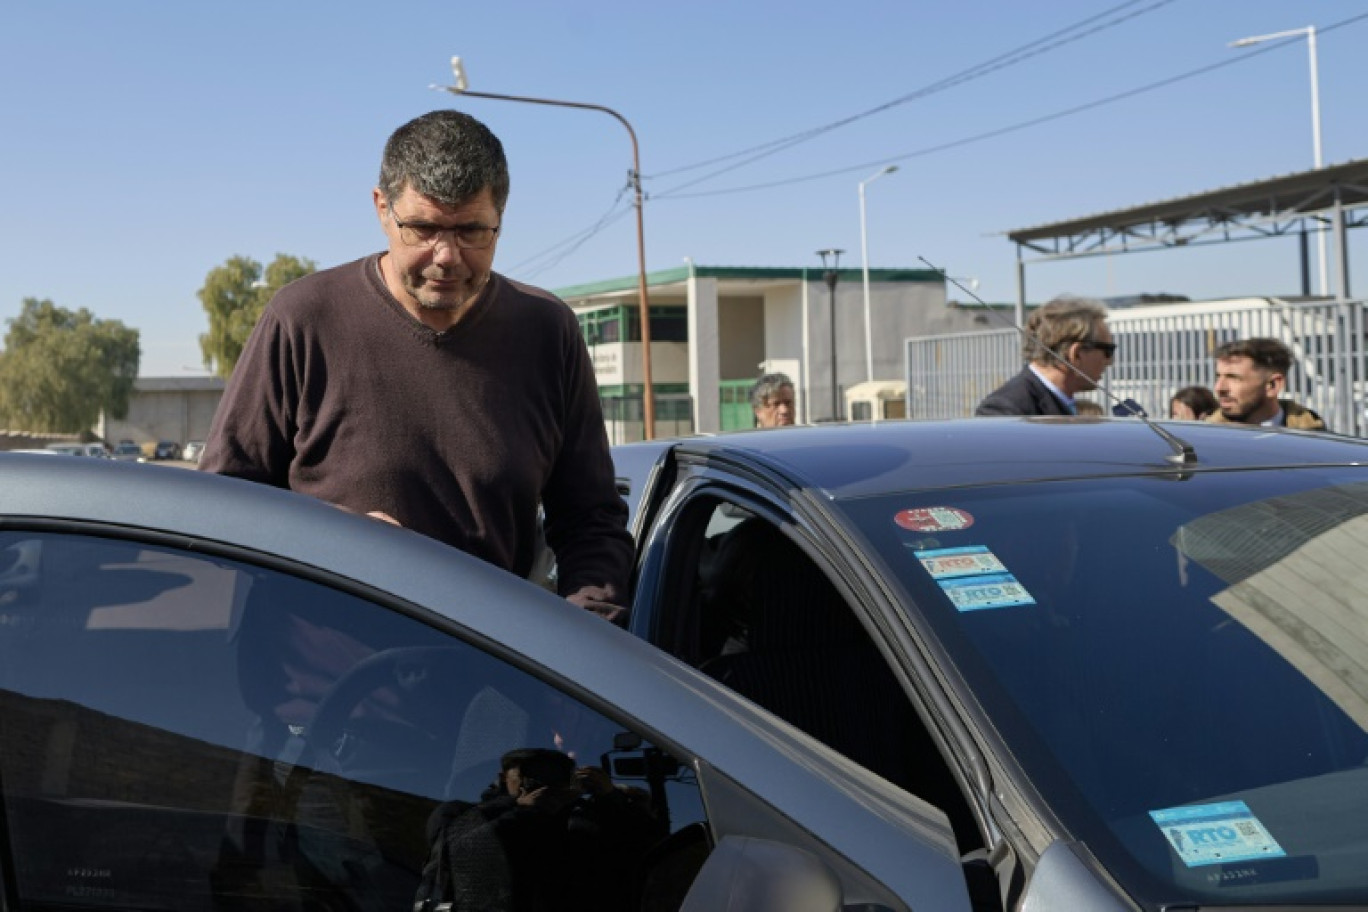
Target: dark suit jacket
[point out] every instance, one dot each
(1024, 394)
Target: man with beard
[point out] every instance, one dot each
(1251, 376)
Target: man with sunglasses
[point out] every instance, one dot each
(1066, 345)
(421, 387)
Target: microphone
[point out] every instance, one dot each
(1129, 408)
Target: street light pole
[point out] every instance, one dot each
(830, 276)
(1310, 33)
(864, 258)
(634, 176)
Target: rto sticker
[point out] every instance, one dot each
(992, 590)
(934, 519)
(1207, 834)
(948, 563)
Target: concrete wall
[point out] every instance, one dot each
(897, 311)
(156, 413)
(741, 329)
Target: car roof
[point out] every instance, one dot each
(852, 460)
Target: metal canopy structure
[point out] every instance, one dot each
(1334, 198)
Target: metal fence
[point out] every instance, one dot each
(1162, 349)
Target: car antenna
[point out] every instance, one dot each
(1183, 454)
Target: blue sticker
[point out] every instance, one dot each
(1207, 834)
(994, 590)
(949, 563)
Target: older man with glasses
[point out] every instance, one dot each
(1066, 345)
(421, 387)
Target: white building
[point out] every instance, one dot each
(178, 409)
(715, 329)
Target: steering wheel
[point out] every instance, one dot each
(403, 739)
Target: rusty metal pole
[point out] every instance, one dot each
(644, 304)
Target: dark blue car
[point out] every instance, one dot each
(1128, 661)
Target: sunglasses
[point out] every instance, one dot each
(1106, 348)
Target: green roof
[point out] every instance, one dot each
(794, 273)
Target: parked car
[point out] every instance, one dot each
(192, 451)
(127, 452)
(1121, 656)
(96, 450)
(166, 449)
(268, 703)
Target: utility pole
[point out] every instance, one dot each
(831, 276)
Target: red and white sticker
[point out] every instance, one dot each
(934, 519)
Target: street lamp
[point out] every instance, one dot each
(1310, 33)
(634, 177)
(830, 276)
(864, 257)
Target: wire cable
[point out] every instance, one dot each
(1002, 61)
(674, 194)
(573, 242)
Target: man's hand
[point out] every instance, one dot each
(548, 800)
(373, 514)
(598, 599)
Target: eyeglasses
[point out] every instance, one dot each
(423, 234)
(1106, 348)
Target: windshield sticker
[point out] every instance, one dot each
(948, 563)
(934, 519)
(993, 590)
(1220, 833)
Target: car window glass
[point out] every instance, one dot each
(1177, 665)
(181, 731)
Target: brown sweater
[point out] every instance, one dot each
(342, 395)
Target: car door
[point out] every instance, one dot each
(185, 725)
(737, 584)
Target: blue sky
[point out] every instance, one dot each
(147, 142)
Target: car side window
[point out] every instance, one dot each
(184, 731)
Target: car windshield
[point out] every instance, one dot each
(1180, 666)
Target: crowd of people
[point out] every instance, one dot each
(1067, 346)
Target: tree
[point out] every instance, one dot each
(234, 295)
(60, 369)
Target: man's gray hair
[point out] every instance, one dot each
(1053, 327)
(767, 386)
(447, 156)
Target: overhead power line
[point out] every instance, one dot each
(557, 252)
(1012, 128)
(1024, 52)
(1027, 51)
